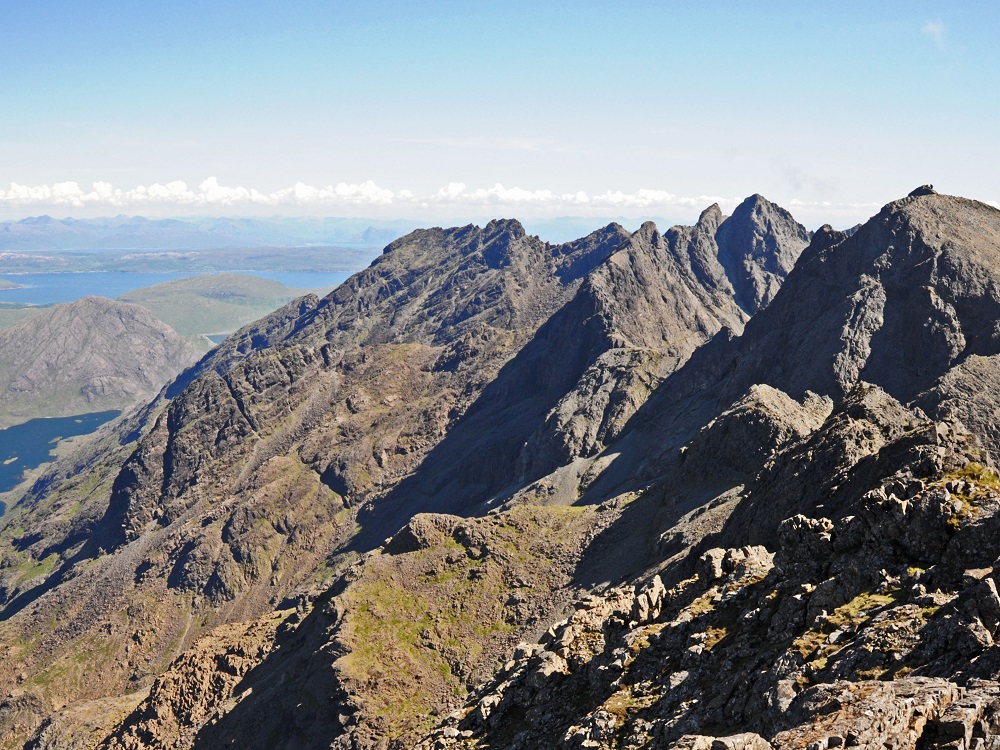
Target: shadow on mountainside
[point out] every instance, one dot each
(478, 457)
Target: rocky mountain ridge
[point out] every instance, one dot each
(756, 531)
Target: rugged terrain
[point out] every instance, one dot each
(709, 487)
(85, 356)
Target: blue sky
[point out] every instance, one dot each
(462, 109)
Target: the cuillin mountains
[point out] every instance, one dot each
(725, 486)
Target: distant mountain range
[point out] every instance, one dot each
(310, 259)
(138, 233)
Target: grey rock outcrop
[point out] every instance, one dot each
(643, 313)
(872, 631)
(906, 303)
(744, 436)
(758, 246)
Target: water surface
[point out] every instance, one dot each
(51, 288)
(29, 445)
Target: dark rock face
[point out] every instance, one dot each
(897, 304)
(645, 312)
(758, 245)
(906, 303)
(440, 310)
(744, 436)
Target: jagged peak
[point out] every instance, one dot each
(756, 208)
(758, 245)
(647, 232)
(825, 237)
(614, 229)
(757, 204)
(511, 227)
(711, 218)
(457, 233)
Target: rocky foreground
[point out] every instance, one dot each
(729, 486)
(873, 631)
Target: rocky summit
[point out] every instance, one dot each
(729, 485)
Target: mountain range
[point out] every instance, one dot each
(725, 486)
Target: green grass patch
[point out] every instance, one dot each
(35, 568)
(849, 616)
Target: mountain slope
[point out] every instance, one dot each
(874, 631)
(472, 462)
(228, 502)
(311, 436)
(650, 308)
(89, 355)
(869, 615)
(904, 303)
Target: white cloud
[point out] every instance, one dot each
(342, 195)
(454, 200)
(936, 31)
(208, 194)
(456, 194)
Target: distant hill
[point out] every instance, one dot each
(214, 303)
(90, 355)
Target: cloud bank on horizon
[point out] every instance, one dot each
(343, 199)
